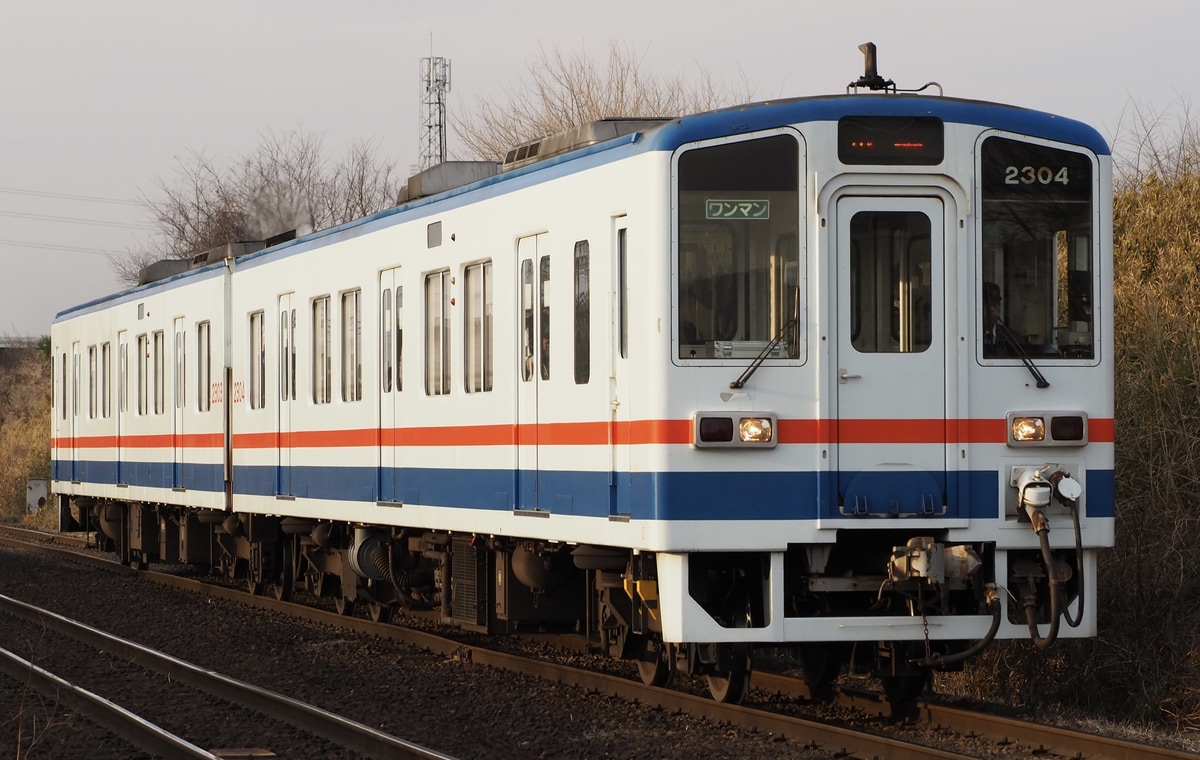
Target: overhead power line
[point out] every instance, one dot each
(76, 220)
(71, 248)
(69, 196)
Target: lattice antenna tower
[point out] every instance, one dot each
(435, 83)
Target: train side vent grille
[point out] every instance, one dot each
(467, 573)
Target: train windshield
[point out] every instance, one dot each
(1038, 252)
(738, 262)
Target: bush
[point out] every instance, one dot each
(1145, 663)
(25, 391)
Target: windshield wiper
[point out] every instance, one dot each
(1011, 338)
(758, 360)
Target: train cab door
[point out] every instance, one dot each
(891, 356)
(287, 394)
(534, 362)
(391, 338)
(179, 381)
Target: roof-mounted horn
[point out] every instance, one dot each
(872, 81)
(870, 78)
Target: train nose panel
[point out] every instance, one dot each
(893, 491)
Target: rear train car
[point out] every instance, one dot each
(825, 373)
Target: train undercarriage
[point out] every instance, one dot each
(499, 585)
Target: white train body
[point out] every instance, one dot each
(388, 374)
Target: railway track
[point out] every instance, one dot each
(141, 661)
(125, 725)
(991, 735)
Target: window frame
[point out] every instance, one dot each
(477, 327)
(351, 345)
(437, 332)
(321, 363)
(160, 372)
(581, 259)
(203, 366)
(749, 301)
(994, 178)
(257, 389)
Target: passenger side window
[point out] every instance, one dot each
(203, 367)
(351, 346)
(478, 363)
(527, 359)
(437, 334)
(583, 319)
(258, 361)
(321, 365)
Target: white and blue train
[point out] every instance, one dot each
(828, 373)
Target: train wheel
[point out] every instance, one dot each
(653, 665)
(255, 570)
(344, 606)
(821, 663)
(285, 582)
(379, 612)
(731, 687)
(902, 690)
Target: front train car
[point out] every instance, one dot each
(891, 344)
(827, 373)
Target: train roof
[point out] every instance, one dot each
(645, 135)
(763, 115)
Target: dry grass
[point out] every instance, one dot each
(25, 390)
(1144, 667)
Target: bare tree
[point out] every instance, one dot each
(1159, 144)
(357, 186)
(569, 89)
(285, 184)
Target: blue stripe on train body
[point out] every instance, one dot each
(712, 496)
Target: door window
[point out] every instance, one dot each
(890, 279)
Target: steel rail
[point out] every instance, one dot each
(1042, 739)
(342, 731)
(129, 726)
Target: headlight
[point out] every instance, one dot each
(733, 430)
(1028, 429)
(1041, 427)
(756, 430)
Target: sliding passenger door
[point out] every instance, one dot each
(122, 402)
(179, 378)
(618, 377)
(533, 280)
(76, 373)
(287, 394)
(391, 340)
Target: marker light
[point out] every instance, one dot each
(756, 430)
(1028, 429)
(1067, 428)
(716, 429)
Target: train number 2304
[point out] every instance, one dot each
(1035, 175)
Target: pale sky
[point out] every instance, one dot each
(97, 99)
